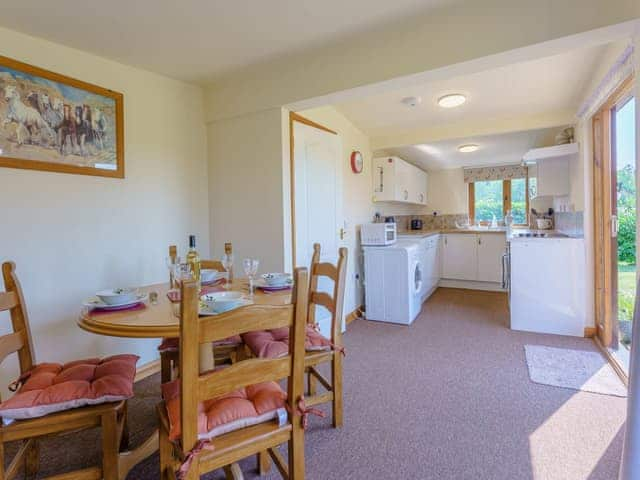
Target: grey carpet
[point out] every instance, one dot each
(575, 369)
(448, 398)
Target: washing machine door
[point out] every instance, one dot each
(416, 277)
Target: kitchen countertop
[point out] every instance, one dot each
(428, 233)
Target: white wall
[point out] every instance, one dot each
(72, 235)
(358, 207)
(248, 184)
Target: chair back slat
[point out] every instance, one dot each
(335, 302)
(325, 270)
(19, 318)
(242, 320)
(324, 299)
(242, 374)
(196, 387)
(8, 300)
(212, 265)
(10, 343)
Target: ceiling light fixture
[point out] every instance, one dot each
(471, 147)
(411, 101)
(452, 100)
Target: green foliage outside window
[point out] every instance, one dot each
(626, 215)
(488, 200)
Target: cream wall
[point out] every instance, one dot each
(357, 206)
(248, 188)
(72, 235)
(447, 193)
(463, 31)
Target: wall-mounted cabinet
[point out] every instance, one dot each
(552, 165)
(395, 180)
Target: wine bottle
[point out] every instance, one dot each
(228, 263)
(193, 259)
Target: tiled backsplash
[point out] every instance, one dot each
(571, 223)
(431, 222)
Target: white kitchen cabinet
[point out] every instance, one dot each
(460, 256)
(395, 180)
(553, 177)
(490, 250)
(473, 257)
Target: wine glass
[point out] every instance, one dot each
(171, 263)
(227, 263)
(250, 269)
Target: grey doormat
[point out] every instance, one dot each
(582, 370)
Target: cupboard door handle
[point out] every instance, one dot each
(479, 240)
(406, 194)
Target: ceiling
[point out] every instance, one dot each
(501, 149)
(525, 89)
(200, 40)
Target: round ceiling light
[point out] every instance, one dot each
(452, 100)
(471, 147)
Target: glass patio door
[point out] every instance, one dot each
(615, 204)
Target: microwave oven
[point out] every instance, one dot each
(378, 234)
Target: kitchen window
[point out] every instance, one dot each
(489, 198)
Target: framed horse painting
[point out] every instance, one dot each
(58, 124)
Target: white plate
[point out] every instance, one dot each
(95, 302)
(207, 310)
(210, 275)
(280, 279)
(260, 282)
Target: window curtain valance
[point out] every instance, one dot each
(502, 172)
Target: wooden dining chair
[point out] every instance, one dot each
(334, 304)
(319, 350)
(225, 351)
(202, 424)
(111, 417)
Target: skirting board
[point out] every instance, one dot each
(357, 313)
(471, 285)
(146, 370)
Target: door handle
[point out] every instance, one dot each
(343, 233)
(615, 226)
(504, 270)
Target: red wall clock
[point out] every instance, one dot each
(357, 161)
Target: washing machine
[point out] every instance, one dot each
(393, 281)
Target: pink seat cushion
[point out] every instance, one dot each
(173, 344)
(275, 343)
(53, 387)
(245, 407)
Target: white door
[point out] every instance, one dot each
(460, 257)
(318, 201)
(490, 249)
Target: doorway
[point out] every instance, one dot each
(615, 203)
(316, 184)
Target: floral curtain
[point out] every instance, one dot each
(502, 172)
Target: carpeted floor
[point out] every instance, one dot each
(448, 398)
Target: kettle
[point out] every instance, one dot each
(416, 224)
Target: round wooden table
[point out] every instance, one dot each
(160, 320)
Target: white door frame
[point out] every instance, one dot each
(294, 117)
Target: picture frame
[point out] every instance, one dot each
(55, 123)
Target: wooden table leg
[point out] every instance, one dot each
(206, 358)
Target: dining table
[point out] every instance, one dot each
(159, 317)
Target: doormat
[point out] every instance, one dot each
(582, 370)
